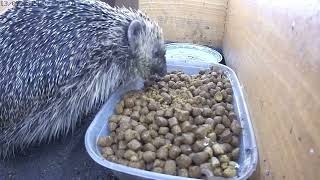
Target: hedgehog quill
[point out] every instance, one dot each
(61, 59)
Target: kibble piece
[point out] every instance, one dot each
(130, 134)
(102, 142)
(217, 171)
(235, 154)
(158, 142)
(163, 130)
(112, 126)
(218, 96)
(189, 138)
(157, 169)
(199, 145)
(140, 128)
(168, 113)
(138, 164)
(119, 107)
(169, 136)
(153, 133)
(107, 151)
(162, 153)
(129, 103)
(173, 121)
(226, 147)
(176, 130)
(130, 155)
(153, 105)
(112, 158)
(144, 111)
(206, 166)
(235, 141)
(135, 115)
(212, 136)
(174, 152)
(215, 162)
(217, 120)
(149, 118)
(153, 127)
(217, 149)
(178, 140)
(226, 121)
(235, 127)
(199, 120)
(226, 136)
(232, 115)
(181, 115)
(219, 110)
(219, 128)
(194, 171)
(224, 159)
(208, 150)
(161, 121)
(149, 147)
(211, 122)
(134, 145)
(170, 167)
(158, 163)
(183, 172)
(229, 98)
(183, 161)
(166, 97)
(207, 112)
(201, 132)
(186, 126)
(146, 136)
(229, 172)
(200, 158)
(196, 111)
(149, 156)
(127, 112)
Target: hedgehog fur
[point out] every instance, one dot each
(61, 59)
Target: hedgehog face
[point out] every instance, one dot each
(147, 45)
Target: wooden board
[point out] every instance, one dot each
(274, 47)
(189, 20)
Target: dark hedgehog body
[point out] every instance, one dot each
(60, 59)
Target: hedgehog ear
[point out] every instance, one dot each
(134, 30)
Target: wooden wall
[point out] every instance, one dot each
(274, 47)
(194, 21)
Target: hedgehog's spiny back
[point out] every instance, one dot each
(45, 45)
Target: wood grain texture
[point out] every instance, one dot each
(274, 48)
(197, 21)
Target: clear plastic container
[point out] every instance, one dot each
(248, 155)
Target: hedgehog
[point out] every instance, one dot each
(62, 59)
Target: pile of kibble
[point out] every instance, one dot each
(178, 125)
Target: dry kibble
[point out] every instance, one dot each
(149, 156)
(186, 149)
(173, 121)
(174, 152)
(186, 126)
(235, 154)
(158, 163)
(149, 147)
(199, 120)
(235, 141)
(217, 171)
(183, 161)
(177, 125)
(134, 145)
(235, 127)
(229, 172)
(226, 136)
(224, 159)
(183, 172)
(219, 128)
(161, 121)
(176, 130)
(181, 115)
(162, 153)
(200, 157)
(163, 130)
(146, 136)
(107, 151)
(170, 167)
(130, 134)
(217, 149)
(194, 171)
(215, 162)
(188, 138)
